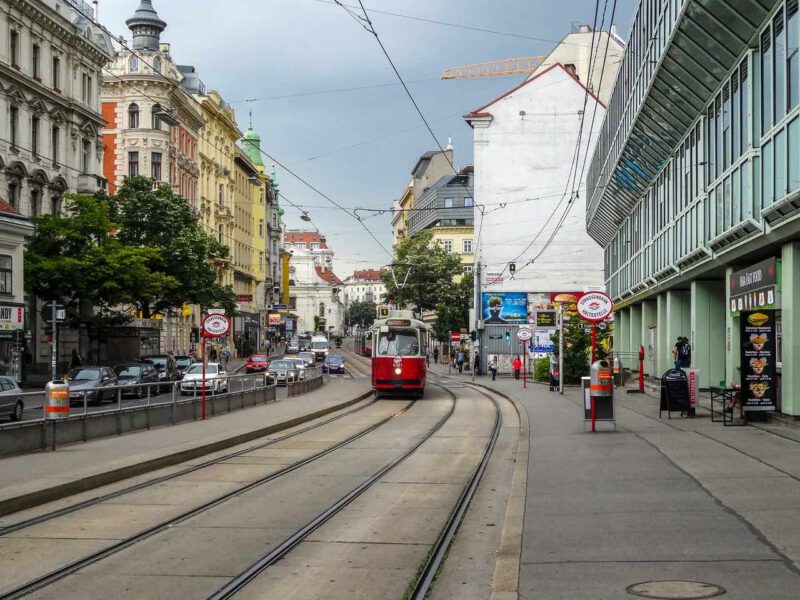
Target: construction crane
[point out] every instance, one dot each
(494, 68)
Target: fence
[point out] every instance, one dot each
(311, 379)
(83, 425)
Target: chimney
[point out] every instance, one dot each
(572, 70)
(449, 143)
(614, 31)
(584, 29)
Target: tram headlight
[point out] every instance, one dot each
(398, 371)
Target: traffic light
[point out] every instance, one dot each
(473, 335)
(508, 336)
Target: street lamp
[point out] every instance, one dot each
(305, 217)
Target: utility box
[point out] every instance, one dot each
(56, 400)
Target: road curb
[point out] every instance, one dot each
(57, 492)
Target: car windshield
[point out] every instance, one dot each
(84, 375)
(183, 361)
(335, 360)
(258, 358)
(398, 343)
(282, 364)
(197, 369)
(159, 361)
(319, 345)
(128, 370)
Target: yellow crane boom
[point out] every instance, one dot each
(494, 68)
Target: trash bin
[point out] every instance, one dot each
(56, 398)
(601, 392)
(675, 393)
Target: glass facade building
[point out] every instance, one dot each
(697, 175)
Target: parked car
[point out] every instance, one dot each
(183, 363)
(333, 364)
(11, 402)
(215, 382)
(90, 381)
(167, 368)
(282, 372)
(256, 363)
(135, 376)
(308, 357)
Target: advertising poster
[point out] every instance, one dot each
(758, 360)
(755, 288)
(510, 308)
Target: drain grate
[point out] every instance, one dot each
(675, 590)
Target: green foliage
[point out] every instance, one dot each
(427, 270)
(361, 312)
(578, 342)
(541, 369)
(452, 311)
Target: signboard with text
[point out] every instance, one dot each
(759, 387)
(546, 319)
(755, 287)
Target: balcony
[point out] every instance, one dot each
(90, 184)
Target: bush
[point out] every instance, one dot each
(541, 369)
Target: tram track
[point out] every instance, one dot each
(57, 574)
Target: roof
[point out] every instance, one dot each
(425, 157)
(5, 207)
(328, 276)
(304, 238)
(366, 275)
(481, 111)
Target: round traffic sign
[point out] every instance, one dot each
(595, 306)
(215, 325)
(524, 334)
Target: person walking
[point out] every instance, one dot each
(212, 354)
(75, 360)
(427, 357)
(677, 352)
(436, 356)
(477, 364)
(460, 361)
(686, 355)
(493, 367)
(517, 366)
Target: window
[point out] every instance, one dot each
(794, 155)
(13, 192)
(155, 166)
(261, 227)
(780, 165)
(133, 164)
(35, 135)
(221, 234)
(467, 246)
(133, 116)
(6, 274)
(36, 66)
(274, 218)
(321, 309)
(54, 140)
(260, 261)
(447, 245)
(133, 64)
(468, 201)
(14, 42)
(767, 181)
(156, 120)
(56, 73)
(157, 64)
(779, 64)
(293, 302)
(448, 203)
(14, 132)
(792, 56)
(221, 194)
(766, 82)
(86, 157)
(86, 88)
(35, 202)
(55, 205)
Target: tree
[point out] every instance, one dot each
(578, 342)
(423, 273)
(452, 311)
(361, 312)
(162, 220)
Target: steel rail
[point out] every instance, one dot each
(64, 571)
(438, 554)
(243, 579)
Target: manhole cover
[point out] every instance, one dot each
(675, 590)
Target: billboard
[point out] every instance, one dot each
(504, 308)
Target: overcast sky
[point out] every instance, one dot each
(357, 146)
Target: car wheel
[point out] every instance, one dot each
(19, 407)
(140, 392)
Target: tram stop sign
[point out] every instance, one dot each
(524, 333)
(215, 326)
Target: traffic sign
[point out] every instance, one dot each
(215, 326)
(595, 307)
(216, 311)
(524, 333)
(47, 313)
(455, 336)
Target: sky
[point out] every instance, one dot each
(355, 146)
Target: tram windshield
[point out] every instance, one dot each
(398, 343)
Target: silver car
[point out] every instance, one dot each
(282, 372)
(308, 357)
(11, 402)
(299, 364)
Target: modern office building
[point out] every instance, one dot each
(694, 188)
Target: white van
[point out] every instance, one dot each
(319, 346)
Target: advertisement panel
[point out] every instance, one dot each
(758, 360)
(509, 308)
(755, 288)
(274, 319)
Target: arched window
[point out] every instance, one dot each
(321, 309)
(155, 118)
(133, 116)
(55, 204)
(133, 64)
(157, 64)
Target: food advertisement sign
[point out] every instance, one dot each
(758, 360)
(755, 288)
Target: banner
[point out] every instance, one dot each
(755, 288)
(758, 360)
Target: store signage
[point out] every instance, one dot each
(595, 306)
(755, 287)
(546, 319)
(216, 311)
(215, 326)
(244, 297)
(492, 277)
(275, 319)
(12, 317)
(758, 337)
(279, 307)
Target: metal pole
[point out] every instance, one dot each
(594, 342)
(203, 380)
(560, 350)
(524, 367)
(54, 350)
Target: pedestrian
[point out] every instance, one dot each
(686, 356)
(212, 354)
(75, 360)
(517, 366)
(677, 352)
(460, 361)
(436, 356)
(427, 357)
(477, 364)
(493, 367)
(226, 355)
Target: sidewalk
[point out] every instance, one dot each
(680, 499)
(31, 479)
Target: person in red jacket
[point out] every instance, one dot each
(517, 366)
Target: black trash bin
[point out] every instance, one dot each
(675, 393)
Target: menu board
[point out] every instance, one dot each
(758, 338)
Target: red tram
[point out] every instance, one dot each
(399, 345)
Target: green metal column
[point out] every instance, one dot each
(630, 361)
(649, 320)
(622, 333)
(732, 349)
(790, 315)
(678, 320)
(663, 356)
(708, 330)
